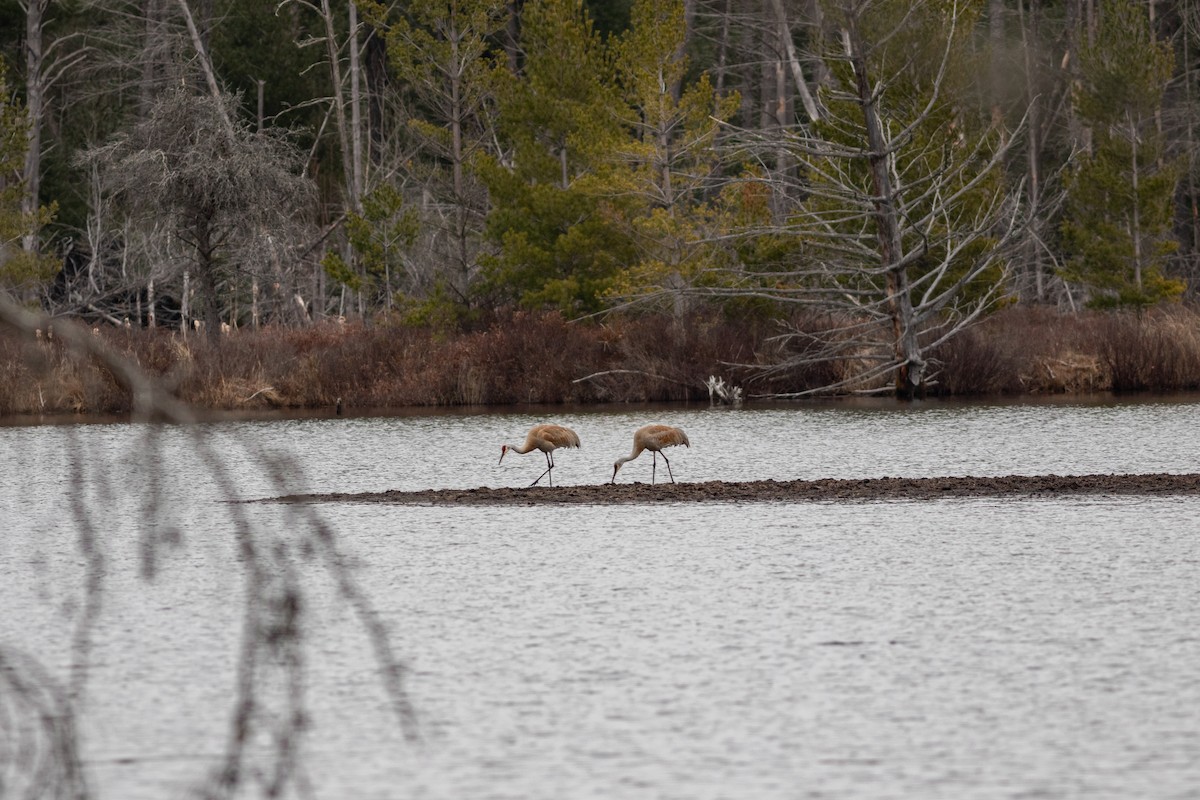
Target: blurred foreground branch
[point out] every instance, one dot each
(39, 751)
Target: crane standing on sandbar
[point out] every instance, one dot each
(653, 438)
(546, 438)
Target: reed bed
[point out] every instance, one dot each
(541, 358)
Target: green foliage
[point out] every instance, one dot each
(605, 191)
(439, 309)
(1123, 264)
(1120, 201)
(1125, 71)
(255, 41)
(379, 236)
(941, 157)
(559, 114)
(13, 127)
(557, 213)
(19, 269)
(336, 268)
(670, 155)
(442, 56)
(611, 17)
(558, 247)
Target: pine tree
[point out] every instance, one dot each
(380, 236)
(1120, 201)
(20, 270)
(675, 166)
(559, 199)
(445, 62)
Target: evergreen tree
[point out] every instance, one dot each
(446, 61)
(1120, 200)
(21, 271)
(380, 236)
(557, 197)
(674, 161)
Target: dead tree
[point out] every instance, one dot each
(903, 218)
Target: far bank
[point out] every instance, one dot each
(543, 359)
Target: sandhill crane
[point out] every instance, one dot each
(653, 438)
(546, 438)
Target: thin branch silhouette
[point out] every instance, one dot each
(270, 692)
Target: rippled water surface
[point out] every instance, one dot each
(948, 649)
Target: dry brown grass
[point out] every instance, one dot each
(1042, 351)
(1024, 351)
(541, 358)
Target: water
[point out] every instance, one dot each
(947, 649)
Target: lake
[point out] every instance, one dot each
(1028, 647)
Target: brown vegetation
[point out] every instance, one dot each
(541, 358)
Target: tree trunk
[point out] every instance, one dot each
(184, 305)
(151, 317)
(996, 41)
(457, 160)
(512, 36)
(789, 49)
(207, 275)
(356, 159)
(152, 39)
(1078, 32)
(35, 100)
(1135, 226)
(815, 19)
(1033, 150)
(722, 51)
(1193, 189)
(210, 76)
(906, 349)
(376, 73)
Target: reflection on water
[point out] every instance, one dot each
(958, 648)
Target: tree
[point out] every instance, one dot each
(22, 268)
(229, 195)
(445, 62)
(379, 234)
(674, 162)
(46, 60)
(1120, 195)
(557, 190)
(1047, 146)
(901, 218)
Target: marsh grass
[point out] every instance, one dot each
(528, 357)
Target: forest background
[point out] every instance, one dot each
(318, 203)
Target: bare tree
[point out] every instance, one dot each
(222, 186)
(789, 47)
(904, 219)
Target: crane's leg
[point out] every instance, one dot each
(664, 455)
(653, 465)
(549, 466)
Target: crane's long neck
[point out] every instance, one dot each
(522, 449)
(637, 451)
